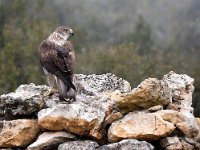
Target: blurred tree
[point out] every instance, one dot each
(141, 36)
(20, 38)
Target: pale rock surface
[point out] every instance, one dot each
(171, 143)
(24, 102)
(150, 92)
(128, 144)
(18, 133)
(79, 145)
(141, 126)
(51, 140)
(75, 118)
(184, 121)
(181, 86)
(94, 84)
(179, 143)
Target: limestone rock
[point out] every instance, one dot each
(95, 84)
(78, 145)
(150, 92)
(75, 118)
(181, 86)
(24, 102)
(178, 143)
(141, 126)
(51, 140)
(171, 143)
(184, 121)
(127, 144)
(18, 133)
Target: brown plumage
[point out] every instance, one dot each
(57, 59)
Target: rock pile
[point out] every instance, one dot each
(106, 115)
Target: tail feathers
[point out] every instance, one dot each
(65, 91)
(68, 82)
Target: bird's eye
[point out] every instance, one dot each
(66, 29)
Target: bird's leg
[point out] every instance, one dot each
(51, 81)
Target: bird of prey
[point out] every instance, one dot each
(57, 59)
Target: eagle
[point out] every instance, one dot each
(57, 59)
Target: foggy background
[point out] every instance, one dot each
(134, 39)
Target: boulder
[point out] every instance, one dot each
(171, 143)
(95, 84)
(25, 102)
(79, 145)
(128, 144)
(75, 118)
(183, 121)
(179, 143)
(181, 86)
(149, 93)
(18, 133)
(51, 140)
(141, 126)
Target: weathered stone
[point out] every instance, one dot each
(190, 142)
(150, 92)
(171, 143)
(18, 133)
(51, 140)
(24, 102)
(181, 86)
(186, 146)
(141, 126)
(155, 108)
(75, 118)
(179, 143)
(78, 145)
(197, 138)
(184, 121)
(94, 84)
(128, 144)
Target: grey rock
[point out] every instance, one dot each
(51, 140)
(78, 145)
(95, 84)
(23, 103)
(128, 144)
(181, 86)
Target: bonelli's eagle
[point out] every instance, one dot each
(57, 59)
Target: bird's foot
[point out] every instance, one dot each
(66, 100)
(50, 92)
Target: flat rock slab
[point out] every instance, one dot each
(51, 140)
(74, 118)
(18, 133)
(141, 126)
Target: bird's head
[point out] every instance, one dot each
(65, 32)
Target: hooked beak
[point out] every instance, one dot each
(71, 31)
